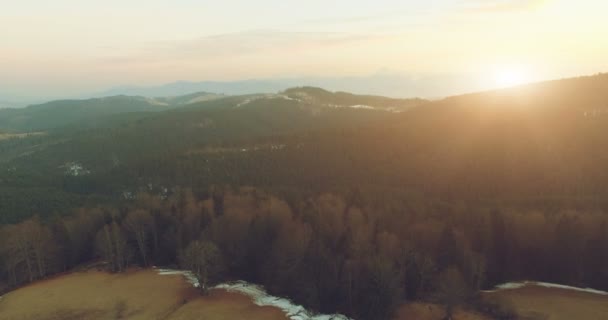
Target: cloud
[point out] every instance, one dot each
(503, 6)
(256, 41)
(248, 43)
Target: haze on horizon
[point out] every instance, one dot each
(71, 47)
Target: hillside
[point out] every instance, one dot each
(89, 112)
(541, 139)
(319, 96)
(111, 150)
(531, 144)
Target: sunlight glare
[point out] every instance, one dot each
(510, 76)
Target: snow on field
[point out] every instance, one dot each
(517, 285)
(511, 285)
(559, 286)
(186, 274)
(361, 106)
(260, 297)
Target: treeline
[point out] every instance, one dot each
(355, 254)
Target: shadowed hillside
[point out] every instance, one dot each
(56, 114)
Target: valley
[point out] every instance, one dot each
(427, 203)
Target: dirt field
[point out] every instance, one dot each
(140, 295)
(540, 303)
(426, 311)
(145, 295)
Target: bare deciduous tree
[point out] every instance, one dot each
(29, 250)
(203, 259)
(452, 290)
(112, 246)
(139, 223)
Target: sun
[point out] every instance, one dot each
(510, 76)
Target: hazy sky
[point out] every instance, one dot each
(65, 47)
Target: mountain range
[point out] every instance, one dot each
(385, 84)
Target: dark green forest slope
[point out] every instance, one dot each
(130, 151)
(542, 143)
(56, 114)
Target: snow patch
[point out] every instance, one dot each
(259, 296)
(277, 147)
(205, 97)
(155, 102)
(511, 285)
(245, 102)
(164, 193)
(252, 99)
(128, 195)
(362, 106)
(266, 96)
(75, 169)
(559, 286)
(288, 98)
(189, 276)
(518, 285)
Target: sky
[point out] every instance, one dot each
(70, 47)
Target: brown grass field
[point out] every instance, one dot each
(540, 303)
(145, 295)
(427, 311)
(137, 295)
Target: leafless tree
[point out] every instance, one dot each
(203, 259)
(452, 290)
(140, 223)
(112, 245)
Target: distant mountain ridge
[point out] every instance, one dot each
(59, 113)
(6, 103)
(180, 88)
(93, 111)
(389, 85)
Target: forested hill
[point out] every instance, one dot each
(126, 151)
(344, 99)
(57, 114)
(541, 143)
